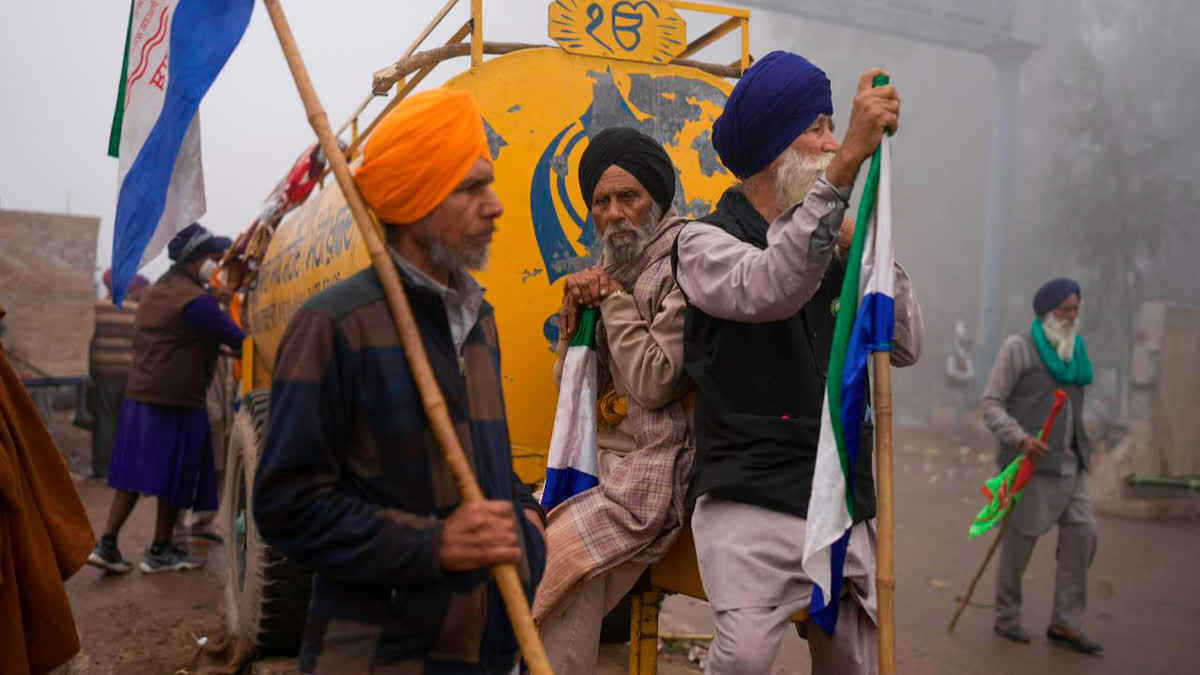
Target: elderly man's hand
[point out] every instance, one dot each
(1033, 448)
(479, 534)
(589, 287)
(846, 237)
(875, 109)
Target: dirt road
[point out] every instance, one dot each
(1144, 592)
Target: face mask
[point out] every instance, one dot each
(207, 268)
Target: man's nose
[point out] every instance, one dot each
(829, 142)
(492, 206)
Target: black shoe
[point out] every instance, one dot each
(1079, 643)
(170, 559)
(1015, 633)
(108, 557)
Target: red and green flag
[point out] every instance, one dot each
(1005, 488)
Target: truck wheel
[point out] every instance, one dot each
(266, 594)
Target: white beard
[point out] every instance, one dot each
(796, 175)
(1061, 335)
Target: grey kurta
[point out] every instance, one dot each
(1019, 395)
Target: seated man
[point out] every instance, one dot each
(762, 281)
(351, 481)
(601, 540)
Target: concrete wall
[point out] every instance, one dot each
(1163, 436)
(47, 286)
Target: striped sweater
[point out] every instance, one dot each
(110, 353)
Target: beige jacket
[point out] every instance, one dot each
(644, 359)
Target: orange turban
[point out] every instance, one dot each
(420, 152)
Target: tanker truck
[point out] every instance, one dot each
(613, 63)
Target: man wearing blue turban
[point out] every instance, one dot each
(762, 275)
(1031, 366)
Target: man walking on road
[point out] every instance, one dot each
(1031, 365)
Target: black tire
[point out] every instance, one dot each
(266, 594)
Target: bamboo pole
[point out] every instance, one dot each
(431, 396)
(885, 574)
(476, 33)
(986, 560)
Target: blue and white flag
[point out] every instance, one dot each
(865, 324)
(571, 466)
(173, 52)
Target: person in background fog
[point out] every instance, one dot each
(164, 444)
(1051, 355)
(960, 376)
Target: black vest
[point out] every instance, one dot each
(760, 387)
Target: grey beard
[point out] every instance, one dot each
(447, 257)
(627, 249)
(1061, 335)
(796, 176)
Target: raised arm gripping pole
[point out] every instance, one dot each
(431, 396)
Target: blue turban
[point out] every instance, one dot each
(194, 242)
(1053, 293)
(777, 98)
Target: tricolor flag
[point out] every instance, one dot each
(173, 52)
(865, 323)
(571, 466)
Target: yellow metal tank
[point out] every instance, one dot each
(540, 107)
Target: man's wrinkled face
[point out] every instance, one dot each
(1068, 311)
(623, 212)
(458, 233)
(804, 162)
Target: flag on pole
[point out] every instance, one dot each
(571, 466)
(865, 324)
(1004, 489)
(173, 52)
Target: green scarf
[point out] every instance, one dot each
(1077, 371)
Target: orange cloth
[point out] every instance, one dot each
(420, 152)
(45, 537)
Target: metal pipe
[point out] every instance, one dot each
(1192, 484)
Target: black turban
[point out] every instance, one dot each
(1053, 293)
(635, 152)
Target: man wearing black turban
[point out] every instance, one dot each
(762, 276)
(601, 540)
(1031, 366)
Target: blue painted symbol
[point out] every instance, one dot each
(596, 13)
(622, 33)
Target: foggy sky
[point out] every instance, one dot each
(61, 67)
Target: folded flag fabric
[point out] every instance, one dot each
(1004, 489)
(173, 52)
(571, 466)
(865, 324)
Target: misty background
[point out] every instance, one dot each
(1105, 156)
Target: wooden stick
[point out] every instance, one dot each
(986, 560)
(431, 396)
(885, 573)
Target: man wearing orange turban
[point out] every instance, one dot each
(351, 481)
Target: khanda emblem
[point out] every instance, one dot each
(635, 30)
